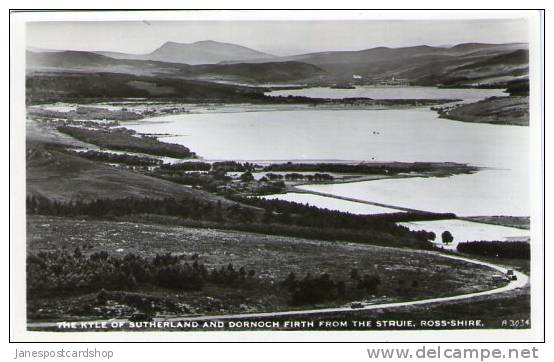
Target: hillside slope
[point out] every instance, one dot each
(427, 65)
(251, 73)
(496, 110)
(74, 86)
(467, 64)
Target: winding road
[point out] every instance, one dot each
(521, 281)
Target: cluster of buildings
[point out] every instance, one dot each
(382, 82)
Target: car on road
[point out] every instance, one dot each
(356, 305)
(511, 275)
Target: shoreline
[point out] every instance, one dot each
(136, 112)
(249, 107)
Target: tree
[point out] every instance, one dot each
(290, 281)
(242, 272)
(341, 288)
(369, 283)
(354, 274)
(247, 177)
(102, 296)
(447, 237)
(131, 281)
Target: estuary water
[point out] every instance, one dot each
(463, 231)
(414, 134)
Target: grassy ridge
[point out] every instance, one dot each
(58, 175)
(495, 110)
(80, 87)
(126, 140)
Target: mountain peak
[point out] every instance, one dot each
(208, 42)
(201, 43)
(169, 42)
(205, 52)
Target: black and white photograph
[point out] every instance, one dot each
(259, 171)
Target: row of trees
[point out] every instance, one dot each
(123, 139)
(207, 181)
(187, 166)
(499, 249)
(281, 211)
(65, 271)
(106, 274)
(310, 289)
(298, 176)
(234, 166)
(131, 160)
(316, 289)
(274, 217)
(371, 168)
(108, 208)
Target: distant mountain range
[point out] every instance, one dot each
(422, 64)
(469, 64)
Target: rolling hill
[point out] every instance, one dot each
(249, 73)
(45, 87)
(425, 65)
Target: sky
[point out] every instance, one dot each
(273, 37)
